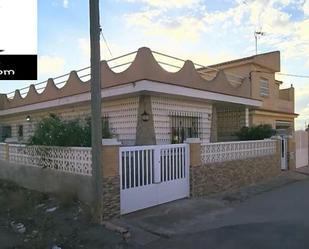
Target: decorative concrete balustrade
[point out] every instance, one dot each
(63, 170)
(229, 151)
(76, 160)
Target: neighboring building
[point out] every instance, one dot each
(258, 72)
(147, 105)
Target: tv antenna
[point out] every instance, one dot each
(257, 35)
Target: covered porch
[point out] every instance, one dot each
(227, 120)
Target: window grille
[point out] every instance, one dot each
(185, 125)
(20, 131)
(264, 87)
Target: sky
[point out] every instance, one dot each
(10, 41)
(205, 31)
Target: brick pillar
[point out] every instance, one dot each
(291, 153)
(278, 153)
(111, 182)
(6, 151)
(195, 164)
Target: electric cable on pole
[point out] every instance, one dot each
(106, 43)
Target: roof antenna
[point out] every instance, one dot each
(257, 35)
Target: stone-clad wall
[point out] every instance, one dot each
(217, 177)
(111, 197)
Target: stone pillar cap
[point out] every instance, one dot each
(193, 140)
(110, 141)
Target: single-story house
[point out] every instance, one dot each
(145, 104)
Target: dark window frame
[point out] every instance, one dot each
(106, 126)
(184, 125)
(20, 131)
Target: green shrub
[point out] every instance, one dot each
(53, 131)
(256, 132)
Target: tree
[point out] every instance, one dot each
(256, 132)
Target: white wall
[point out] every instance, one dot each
(123, 118)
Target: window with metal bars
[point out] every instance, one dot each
(184, 125)
(20, 131)
(106, 133)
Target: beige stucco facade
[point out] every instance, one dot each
(278, 105)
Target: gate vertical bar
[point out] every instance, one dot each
(183, 155)
(138, 169)
(120, 170)
(178, 163)
(174, 163)
(187, 161)
(170, 164)
(134, 169)
(143, 166)
(151, 165)
(123, 157)
(157, 165)
(146, 166)
(130, 170)
(165, 165)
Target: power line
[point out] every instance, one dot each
(284, 74)
(294, 75)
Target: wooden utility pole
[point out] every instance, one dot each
(96, 124)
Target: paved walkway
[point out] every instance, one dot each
(252, 209)
(303, 170)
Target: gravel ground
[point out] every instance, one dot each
(29, 219)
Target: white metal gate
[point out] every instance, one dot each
(301, 144)
(152, 175)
